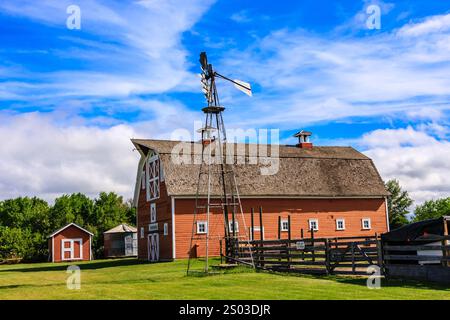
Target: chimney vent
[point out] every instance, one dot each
(303, 139)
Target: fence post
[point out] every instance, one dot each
(327, 256)
(313, 252)
(279, 227)
(221, 253)
(261, 233)
(353, 258)
(380, 254)
(289, 243)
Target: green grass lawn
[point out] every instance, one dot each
(129, 279)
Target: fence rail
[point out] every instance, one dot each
(347, 255)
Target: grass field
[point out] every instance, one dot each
(129, 279)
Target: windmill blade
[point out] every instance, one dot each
(243, 86)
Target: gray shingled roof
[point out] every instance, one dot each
(317, 172)
(122, 228)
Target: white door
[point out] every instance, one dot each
(71, 249)
(153, 247)
(129, 245)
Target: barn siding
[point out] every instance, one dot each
(163, 215)
(301, 210)
(71, 232)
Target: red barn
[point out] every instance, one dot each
(337, 191)
(70, 243)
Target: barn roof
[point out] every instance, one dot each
(315, 172)
(66, 226)
(122, 228)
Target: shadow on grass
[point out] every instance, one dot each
(92, 265)
(362, 281)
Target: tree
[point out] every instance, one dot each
(398, 204)
(76, 208)
(432, 209)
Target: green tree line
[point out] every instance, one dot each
(26, 223)
(399, 204)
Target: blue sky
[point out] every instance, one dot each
(71, 99)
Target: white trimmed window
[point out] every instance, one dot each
(202, 227)
(166, 229)
(366, 224)
(340, 224)
(230, 226)
(314, 224)
(153, 178)
(284, 225)
(142, 232)
(152, 212)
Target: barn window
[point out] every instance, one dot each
(142, 232)
(314, 224)
(153, 178)
(152, 212)
(284, 225)
(366, 224)
(166, 229)
(202, 227)
(340, 224)
(230, 226)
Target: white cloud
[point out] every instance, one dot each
(416, 159)
(438, 23)
(304, 77)
(137, 49)
(47, 155)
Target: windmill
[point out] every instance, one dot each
(214, 140)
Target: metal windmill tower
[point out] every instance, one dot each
(216, 188)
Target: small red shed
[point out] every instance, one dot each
(70, 243)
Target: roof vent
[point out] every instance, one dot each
(303, 139)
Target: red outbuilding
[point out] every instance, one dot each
(70, 243)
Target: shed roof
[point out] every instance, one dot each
(316, 172)
(122, 228)
(66, 226)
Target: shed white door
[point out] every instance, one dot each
(71, 249)
(153, 247)
(129, 245)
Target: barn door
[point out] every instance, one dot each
(153, 247)
(129, 245)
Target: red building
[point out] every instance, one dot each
(70, 243)
(337, 191)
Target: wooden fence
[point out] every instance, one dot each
(345, 255)
(417, 260)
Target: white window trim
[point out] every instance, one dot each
(363, 226)
(154, 179)
(337, 224)
(153, 217)
(166, 229)
(230, 226)
(283, 221)
(205, 223)
(71, 249)
(317, 224)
